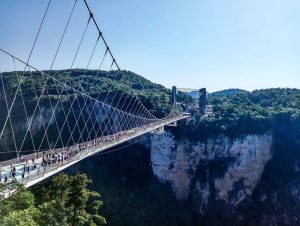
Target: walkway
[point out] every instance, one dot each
(34, 168)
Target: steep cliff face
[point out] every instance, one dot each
(219, 169)
(39, 121)
(43, 119)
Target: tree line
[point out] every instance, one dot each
(65, 201)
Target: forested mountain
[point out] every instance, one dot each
(116, 88)
(97, 84)
(134, 195)
(229, 92)
(245, 113)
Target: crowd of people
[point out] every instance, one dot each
(56, 157)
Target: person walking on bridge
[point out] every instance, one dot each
(11, 169)
(28, 167)
(23, 173)
(14, 172)
(33, 163)
(26, 160)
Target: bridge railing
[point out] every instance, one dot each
(75, 147)
(76, 153)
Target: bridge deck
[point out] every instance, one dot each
(71, 155)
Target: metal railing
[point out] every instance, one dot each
(93, 147)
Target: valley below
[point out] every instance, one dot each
(222, 181)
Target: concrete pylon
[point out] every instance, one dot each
(202, 100)
(174, 90)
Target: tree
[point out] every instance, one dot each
(65, 201)
(21, 217)
(53, 213)
(78, 198)
(60, 187)
(19, 209)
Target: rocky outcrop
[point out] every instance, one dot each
(219, 169)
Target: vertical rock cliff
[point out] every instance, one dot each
(218, 170)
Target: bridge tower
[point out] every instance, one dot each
(202, 100)
(174, 94)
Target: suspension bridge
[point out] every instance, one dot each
(48, 122)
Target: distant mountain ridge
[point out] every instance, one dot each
(229, 92)
(186, 90)
(194, 93)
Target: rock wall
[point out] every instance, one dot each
(219, 169)
(44, 118)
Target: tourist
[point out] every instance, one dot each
(14, 172)
(28, 168)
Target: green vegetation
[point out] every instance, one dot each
(63, 202)
(229, 92)
(131, 193)
(97, 84)
(114, 87)
(245, 113)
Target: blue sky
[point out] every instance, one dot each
(217, 44)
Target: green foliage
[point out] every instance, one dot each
(77, 199)
(53, 213)
(65, 201)
(19, 209)
(21, 217)
(155, 97)
(229, 92)
(244, 113)
(116, 88)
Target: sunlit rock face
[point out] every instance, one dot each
(170, 163)
(219, 169)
